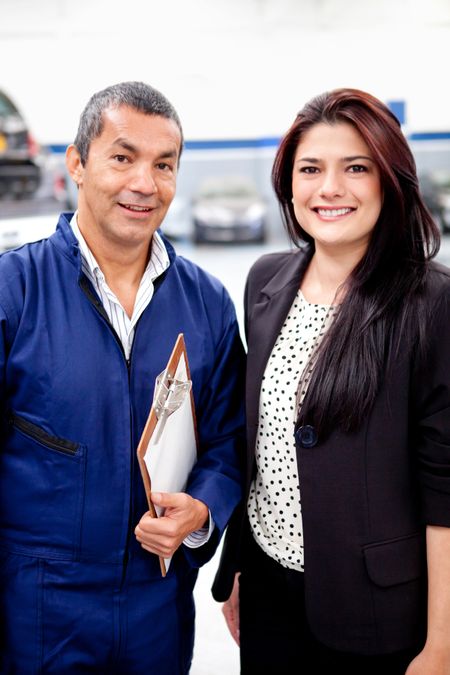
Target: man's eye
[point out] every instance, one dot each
(163, 166)
(121, 158)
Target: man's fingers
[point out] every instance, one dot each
(157, 526)
(166, 499)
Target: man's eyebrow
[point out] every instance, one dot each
(126, 145)
(169, 154)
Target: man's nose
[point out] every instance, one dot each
(143, 180)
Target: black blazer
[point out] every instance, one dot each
(367, 495)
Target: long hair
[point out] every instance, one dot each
(382, 303)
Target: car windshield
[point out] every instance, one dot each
(227, 190)
(442, 179)
(6, 107)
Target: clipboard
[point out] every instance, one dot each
(168, 446)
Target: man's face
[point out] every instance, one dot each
(129, 178)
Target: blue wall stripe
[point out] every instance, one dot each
(429, 136)
(215, 144)
(268, 142)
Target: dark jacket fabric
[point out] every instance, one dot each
(367, 495)
(77, 592)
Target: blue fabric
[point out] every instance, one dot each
(77, 592)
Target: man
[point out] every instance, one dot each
(88, 320)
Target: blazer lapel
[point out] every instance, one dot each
(265, 319)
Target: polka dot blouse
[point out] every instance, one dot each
(274, 506)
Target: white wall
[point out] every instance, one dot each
(232, 68)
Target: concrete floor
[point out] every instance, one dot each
(215, 652)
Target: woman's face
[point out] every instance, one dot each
(336, 188)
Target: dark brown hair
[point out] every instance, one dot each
(382, 302)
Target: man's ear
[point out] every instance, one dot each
(74, 165)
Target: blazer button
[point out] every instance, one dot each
(306, 436)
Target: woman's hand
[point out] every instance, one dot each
(429, 663)
(230, 610)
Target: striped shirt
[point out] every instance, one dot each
(125, 326)
(119, 319)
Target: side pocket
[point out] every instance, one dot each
(396, 561)
(38, 434)
(41, 491)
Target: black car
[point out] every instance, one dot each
(20, 172)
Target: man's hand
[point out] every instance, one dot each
(182, 515)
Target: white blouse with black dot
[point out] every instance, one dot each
(274, 506)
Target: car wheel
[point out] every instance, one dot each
(262, 236)
(197, 236)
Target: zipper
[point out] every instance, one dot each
(38, 434)
(85, 286)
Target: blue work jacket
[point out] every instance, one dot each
(77, 592)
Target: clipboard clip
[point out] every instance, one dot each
(168, 397)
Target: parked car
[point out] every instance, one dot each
(20, 171)
(177, 223)
(17, 231)
(435, 189)
(229, 209)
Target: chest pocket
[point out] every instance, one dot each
(41, 491)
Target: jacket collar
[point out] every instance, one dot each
(289, 273)
(65, 240)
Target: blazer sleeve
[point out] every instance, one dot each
(431, 394)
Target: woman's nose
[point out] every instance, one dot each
(332, 184)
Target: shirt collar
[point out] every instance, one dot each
(158, 262)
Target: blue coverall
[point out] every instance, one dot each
(77, 592)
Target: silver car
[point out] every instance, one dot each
(229, 209)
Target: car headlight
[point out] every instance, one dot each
(255, 212)
(445, 200)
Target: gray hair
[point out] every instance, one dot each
(136, 95)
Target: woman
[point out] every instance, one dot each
(341, 552)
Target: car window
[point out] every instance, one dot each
(228, 190)
(6, 106)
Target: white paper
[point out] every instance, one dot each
(170, 460)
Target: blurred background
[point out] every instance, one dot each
(237, 71)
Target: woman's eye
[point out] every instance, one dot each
(309, 169)
(357, 168)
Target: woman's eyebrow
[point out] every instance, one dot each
(351, 158)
